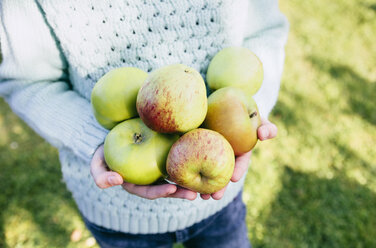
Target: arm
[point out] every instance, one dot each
(34, 82)
(266, 32)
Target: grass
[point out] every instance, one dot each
(312, 186)
(315, 185)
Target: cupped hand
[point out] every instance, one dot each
(265, 131)
(105, 178)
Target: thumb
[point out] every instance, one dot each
(108, 179)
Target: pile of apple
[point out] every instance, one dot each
(163, 126)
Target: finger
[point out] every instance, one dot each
(98, 169)
(273, 130)
(108, 179)
(184, 194)
(241, 166)
(219, 194)
(263, 132)
(238, 172)
(205, 196)
(267, 130)
(98, 164)
(150, 192)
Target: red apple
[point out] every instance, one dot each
(201, 160)
(234, 114)
(173, 99)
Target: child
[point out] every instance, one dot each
(55, 51)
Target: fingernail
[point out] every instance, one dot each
(172, 190)
(191, 197)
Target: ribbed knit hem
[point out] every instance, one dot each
(150, 223)
(118, 210)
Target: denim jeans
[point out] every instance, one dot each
(225, 229)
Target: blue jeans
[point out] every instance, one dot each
(225, 229)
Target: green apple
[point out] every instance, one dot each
(201, 160)
(114, 95)
(136, 152)
(235, 66)
(173, 99)
(234, 115)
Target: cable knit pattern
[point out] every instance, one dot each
(54, 52)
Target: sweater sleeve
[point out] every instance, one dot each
(35, 84)
(266, 35)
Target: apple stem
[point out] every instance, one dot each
(253, 114)
(137, 138)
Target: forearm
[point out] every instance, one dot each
(34, 82)
(59, 115)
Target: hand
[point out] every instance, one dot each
(104, 178)
(265, 131)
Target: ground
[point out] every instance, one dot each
(312, 186)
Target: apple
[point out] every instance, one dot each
(114, 95)
(201, 160)
(136, 152)
(234, 115)
(173, 99)
(235, 66)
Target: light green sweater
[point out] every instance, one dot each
(54, 52)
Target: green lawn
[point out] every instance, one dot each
(312, 186)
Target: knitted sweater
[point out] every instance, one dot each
(55, 51)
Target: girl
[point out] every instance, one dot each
(55, 51)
